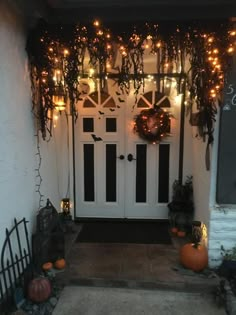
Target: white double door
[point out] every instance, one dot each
(117, 174)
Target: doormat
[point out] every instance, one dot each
(125, 232)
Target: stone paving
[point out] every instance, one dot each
(134, 267)
(76, 300)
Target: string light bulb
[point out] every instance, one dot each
(230, 50)
(96, 23)
(210, 60)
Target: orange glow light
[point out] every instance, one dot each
(232, 33)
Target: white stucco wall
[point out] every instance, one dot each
(188, 153)
(204, 184)
(16, 124)
(18, 149)
(219, 219)
(55, 168)
(201, 180)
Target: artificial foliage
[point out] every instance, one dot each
(198, 53)
(153, 124)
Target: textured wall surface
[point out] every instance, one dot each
(18, 149)
(201, 179)
(17, 160)
(222, 232)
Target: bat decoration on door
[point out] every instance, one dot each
(120, 100)
(112, 109)
(101, 113)
(95, 138)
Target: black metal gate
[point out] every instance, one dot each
(16, 268)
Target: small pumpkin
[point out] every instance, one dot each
(60, 263)
(47, 266)
(194, 256)
(39, 289)
(181, 233)
(174, 230)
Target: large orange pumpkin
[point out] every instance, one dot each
(39, 289)
(194, 256)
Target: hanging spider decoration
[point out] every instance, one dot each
(153, 124)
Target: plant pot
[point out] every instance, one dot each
(227, 268)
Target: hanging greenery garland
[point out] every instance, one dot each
(153, 124)
(57, 62)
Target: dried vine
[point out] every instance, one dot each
(62, 48)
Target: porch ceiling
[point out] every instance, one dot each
(138, 10)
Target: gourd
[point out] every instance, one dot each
(174, 230)
(39, 289)
(181, 233)
(194, 256)
(60, 263)
(47, 266)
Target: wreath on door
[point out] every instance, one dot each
(153, 124)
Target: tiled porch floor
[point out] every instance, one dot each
(132, 265)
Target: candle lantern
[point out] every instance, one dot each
(59, 99)
(65, 206)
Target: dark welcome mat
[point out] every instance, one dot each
(125, 232)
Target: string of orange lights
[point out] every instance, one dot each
(60, 55)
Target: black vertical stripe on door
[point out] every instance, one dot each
(141, 173)
(89, 172)
(111, 172)
(164, 165)
(111, 125)
(88, 124)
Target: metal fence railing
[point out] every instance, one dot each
(16, 268)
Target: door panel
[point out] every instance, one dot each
(106, 135)
(119, 175)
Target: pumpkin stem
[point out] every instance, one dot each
(196, 244)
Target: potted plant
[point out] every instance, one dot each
(228, 265)
(181, 207)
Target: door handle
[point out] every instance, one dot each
(121, 157)
(130, 157)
